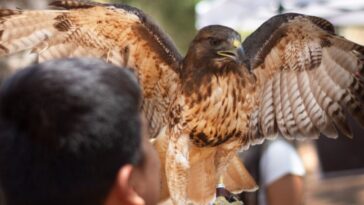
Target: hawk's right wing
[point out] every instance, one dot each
(119, 34)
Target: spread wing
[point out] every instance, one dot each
(119, 34)
(308, 78)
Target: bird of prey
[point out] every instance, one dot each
(293, 76)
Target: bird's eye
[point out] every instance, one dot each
(215, 41)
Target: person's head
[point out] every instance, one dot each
(71, 132)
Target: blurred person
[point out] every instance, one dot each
(279, 172)
(71, 133)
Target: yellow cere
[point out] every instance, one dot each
(236, 43)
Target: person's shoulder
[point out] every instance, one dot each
(279, 159)
(278, 148)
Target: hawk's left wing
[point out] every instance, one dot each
(308, 78)
(118, 34)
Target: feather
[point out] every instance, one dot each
(119, 35)
(316, 76)
(202, 190)
(160, 144)
(323, 121)
(286, 107)
(315, 115)
(278, 105)
(237, 178)
(302, 78)
(301, 117)
(267, 111)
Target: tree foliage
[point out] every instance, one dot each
(177, 18)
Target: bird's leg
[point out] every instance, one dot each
(220, 188)
(177, 165)
(222, 194)
(221, 182)
(222, 159)
(160, 143)
(220, 185)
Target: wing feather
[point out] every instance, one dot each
(310, 78)
(314, 116)
(300, 115)
(286, 106)
(119, 34)
(278, 105)
(267, 111)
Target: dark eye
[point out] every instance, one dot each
(215, 41)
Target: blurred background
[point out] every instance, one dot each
(335, 168)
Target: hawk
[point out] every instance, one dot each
(293, 76)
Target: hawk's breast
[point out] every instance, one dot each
(217, 111)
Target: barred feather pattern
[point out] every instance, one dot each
(121, 36)
(308, 82)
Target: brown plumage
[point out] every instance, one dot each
(295, 78)
(307, 77)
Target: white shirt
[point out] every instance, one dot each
(279, 159)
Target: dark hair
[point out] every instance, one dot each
(66, 128)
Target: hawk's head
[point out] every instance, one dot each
(214, 48)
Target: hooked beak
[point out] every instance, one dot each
(236, 53)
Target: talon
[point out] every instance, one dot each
(224, 196)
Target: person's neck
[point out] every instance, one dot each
(112, 198)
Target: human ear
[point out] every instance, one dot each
(125, 188)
